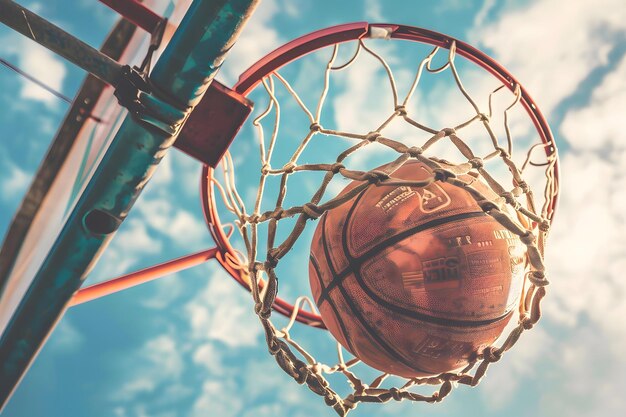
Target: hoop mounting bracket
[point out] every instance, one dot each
(214, 123)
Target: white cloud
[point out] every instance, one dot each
(39, 62)
(166, 291)
(259, 38)
(15, 182)
(185, 229)
(158, 364)
(209, 356)
(134, 238)
(374, 11)
(598, 125)
(551, 49)
(223, 312)
(215, 400)
(180, 225)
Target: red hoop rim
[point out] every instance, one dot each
(340, 34)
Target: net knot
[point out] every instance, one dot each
(415, 151)
(315, 127)
(510, 200)
(483, 117)
(524, 186)
(449, 131)
(311, 210)
(272, 259)
(376, 177)
(289, 167)
(336, 167)
(442, 174)
(372, 136)
(395, 394)
(538, 278)
(254, 219)
(527, 238)
(477, 163)
(503, 152)
(400, 110)
(330, 400)
(492, 354)
(265, 169)
(526, 322)
(273, 347)
(302, 372)
(261, 311)
(544, 226)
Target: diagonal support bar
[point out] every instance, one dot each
(60, 42)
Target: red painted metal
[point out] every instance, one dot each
(136, 13)
(213, 124)
(296, 49)
(139, 277)
(326, 37)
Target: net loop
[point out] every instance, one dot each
(315, 127)
(492, 354)
(395, 394)
(312, 211)
(476, 162)
(538, 278)
(337, 167)
(510, 199)
(415, 151)
(400, 110)
(289, 167)
(376, 176)
(372, 136)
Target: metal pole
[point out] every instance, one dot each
(136, 13)
(125, 168)
(133, 279)
(57, 40)
(193, 57)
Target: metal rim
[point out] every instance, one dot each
(339, 34)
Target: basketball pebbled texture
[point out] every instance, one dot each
(415, 281)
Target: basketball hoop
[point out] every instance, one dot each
(513, 206)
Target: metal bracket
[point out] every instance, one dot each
(134, 93)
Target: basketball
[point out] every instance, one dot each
(415, 281)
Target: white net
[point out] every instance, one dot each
(376, 103)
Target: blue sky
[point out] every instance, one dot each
(189, 344)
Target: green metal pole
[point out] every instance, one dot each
(57, 40)
(182, 74)
(193, 57)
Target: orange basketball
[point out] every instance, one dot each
(415, 281)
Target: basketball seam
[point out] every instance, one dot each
(356, 263)
(355, 310)
(332, 305)
(395, 239)
(374, 334)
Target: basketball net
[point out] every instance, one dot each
(531, 221)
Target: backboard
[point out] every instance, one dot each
(64, 176)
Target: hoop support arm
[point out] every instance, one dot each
(136, 13)
(133, 279)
